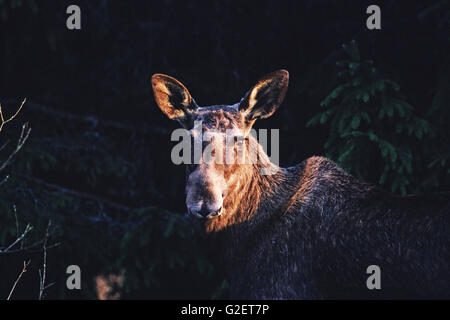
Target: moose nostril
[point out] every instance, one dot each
(204, 212)
(215, 213)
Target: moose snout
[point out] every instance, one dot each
(205, 191)
(205, 212)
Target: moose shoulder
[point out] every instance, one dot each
(304, 232)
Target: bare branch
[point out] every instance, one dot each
(3, 121)
(17, 220)
(43, 274)
(28, 228)
(31, 246)
(4, 179)
(25, 265)
(23, 137)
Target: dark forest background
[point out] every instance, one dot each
(97, 161)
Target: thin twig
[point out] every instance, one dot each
(3, 121)
(4, 145)
(17, 224)
(17, 220)
(25, 133)
(23, 137)
(4, 179)
(42, 275)
(25, 265)
(28, 228)
(31, 246)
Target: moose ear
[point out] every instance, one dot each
(173, 98)
(265, 97)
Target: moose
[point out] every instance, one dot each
(309, 231)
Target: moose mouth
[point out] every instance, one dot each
(210, 215)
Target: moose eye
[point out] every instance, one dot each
(239, 141)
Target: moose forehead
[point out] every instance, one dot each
(219, 117)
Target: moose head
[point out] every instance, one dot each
(211, 183)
